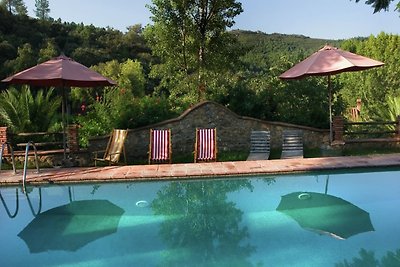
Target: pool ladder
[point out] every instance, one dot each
(28, 145)
(13, 215)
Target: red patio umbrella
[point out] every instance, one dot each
(326, 62)
(60, 72)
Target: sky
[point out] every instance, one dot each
(325, 19)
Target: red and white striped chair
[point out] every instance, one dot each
(206, 145)
(160, 146)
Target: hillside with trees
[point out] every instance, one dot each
(166, 67)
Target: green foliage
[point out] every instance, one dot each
(48, 51)
(120, 109)
(24, 112)
(202, 220)
(380, 5)
(86, 44)
(389, 111)
(375, 85)
(367, 259)
(96, 122)
(25, 58)
(258, 92)
(110, 112)
(149, 110)
(184, 59)
(190, 39)
(270, 47)
(391, 259)
(129, 75)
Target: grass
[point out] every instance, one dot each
(370, 151)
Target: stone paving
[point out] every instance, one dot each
(196, 170)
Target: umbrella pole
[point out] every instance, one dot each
(63, 123)
(330, 110)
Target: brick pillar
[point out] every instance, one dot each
(338, 128)
(73, 138)
(4, 138)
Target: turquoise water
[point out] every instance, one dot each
(224, 222)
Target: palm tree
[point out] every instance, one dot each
(389, 112)
(24, 112)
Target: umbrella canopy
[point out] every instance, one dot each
(60, 72)
(72, 226)
(329, 61)
(326, 62)
(325, 214)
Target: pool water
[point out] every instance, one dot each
(332, 219)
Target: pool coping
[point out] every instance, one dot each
(196, 170)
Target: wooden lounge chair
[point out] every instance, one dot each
(206, 145)
(259, 145)
(160, 146)
(115, 148)
(292, 144)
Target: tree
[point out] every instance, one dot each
(48, 51)
(190, 38)
(380, 5)
(372, 86)
(203, 223)
(25, 58)
(128, 75)
(15, 6)
(42, 9)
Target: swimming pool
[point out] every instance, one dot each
(216, 222)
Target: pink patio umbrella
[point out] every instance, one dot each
(60, 72)
(326, 62)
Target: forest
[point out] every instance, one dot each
(164, 68)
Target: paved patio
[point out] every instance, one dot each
(196, 170)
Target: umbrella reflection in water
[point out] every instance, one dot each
(325, 214)
(70, 227)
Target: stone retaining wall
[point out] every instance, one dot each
(233, 132)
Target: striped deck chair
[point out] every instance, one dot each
(115, 148)
(206, 145)
(160, 146)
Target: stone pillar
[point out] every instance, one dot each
(338, 128)
(4, 138)
(73, 138)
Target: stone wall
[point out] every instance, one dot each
(233, 132)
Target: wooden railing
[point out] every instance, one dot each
(360, 132)
(42, 140)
